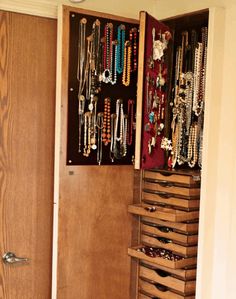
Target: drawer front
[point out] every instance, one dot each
(188, 180)
(185, 262)
(167, 232)
(177, 226)
(162, 213)
(166, 278)
(181, 274)
(167, 199)
(158, 291)
(169, 245)
(170, 188)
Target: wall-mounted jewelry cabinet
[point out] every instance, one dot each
(95, 228)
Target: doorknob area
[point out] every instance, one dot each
(11, 258)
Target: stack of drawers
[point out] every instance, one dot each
(167, 253)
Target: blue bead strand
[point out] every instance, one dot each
(120, 49)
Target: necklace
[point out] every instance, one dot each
(127, 64)
(130, 121)
(120, 48)
(87, 134)
(100, 127)
(81, 56)
(133, 41)
(106, 135)
(113, 72)
(81, 118)
(107, 56)
(113, 139)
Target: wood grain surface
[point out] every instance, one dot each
(27, 105)
(95, 228)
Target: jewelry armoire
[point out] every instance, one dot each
(128, 230)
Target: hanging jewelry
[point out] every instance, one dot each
(120, 48)
(113, 70)
(108, 32)
(133, 42)
(81, 56)
(106, 135)
(113, 138)
(87, 134)
(130, 122)
(100, 127)
(81, 118)
(127, 64)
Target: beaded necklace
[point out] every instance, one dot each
(107, 55)
(106, 135)
(133, 42)
(81, 56)
(113, 69)
(120, 48)
(127, 64)
(81, 118)
(113, 139)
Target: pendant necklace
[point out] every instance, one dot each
(108, 32)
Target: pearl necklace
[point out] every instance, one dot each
(87, 134)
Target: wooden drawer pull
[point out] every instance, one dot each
(164, 240)
(162, 273)
(164, 229)
(160, 287)
(165, 184)
(150, 209)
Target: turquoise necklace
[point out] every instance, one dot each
(120, 49)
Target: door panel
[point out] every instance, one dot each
(27, 105)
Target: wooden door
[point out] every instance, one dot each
(27, 104)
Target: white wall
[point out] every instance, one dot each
(126, 8)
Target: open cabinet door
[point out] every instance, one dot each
(152, 92)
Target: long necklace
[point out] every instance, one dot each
(88, 67)
(113, 69)
(120, 48)
(81, 118)
(113, 139)
(87, 134)
(134, 47)
(127, 64)
(107, 55)
(81, 56)
(106, 135)
(100, 127)
(94, 123)
(192, 145)
(130, 121)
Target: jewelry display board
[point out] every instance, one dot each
(101, 115)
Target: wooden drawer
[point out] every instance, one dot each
(167, 232)
(162, 213)
(186, 227)
(185, 262)
(181, 274)
(166, 278)
(185, 178)
(185, 251)
(170, 200)
(170, 188)
(154, 290)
